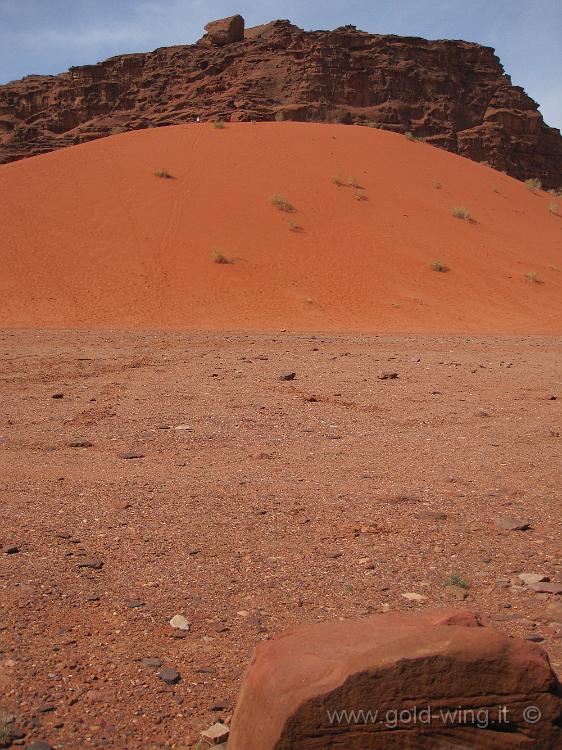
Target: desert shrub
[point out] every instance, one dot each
(533, 183)
(218, 124)
(279, 116)
(360, 195)
(164, 174)
(282, 203)
(460, 212)
(456, 580)
(337, 181)
(353, 182)
(439, 266)
(410, 136)
(294, 227)
(554, 208)
(532, 276)
(219, 258)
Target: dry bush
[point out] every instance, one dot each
(219, 258)
(439, 266)
(460, 212)
(533, 183)
(282, 203)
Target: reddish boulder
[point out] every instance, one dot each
(433, 679)
(225, 31)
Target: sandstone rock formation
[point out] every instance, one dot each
(224, 31)
(453, 94)
(434, 679)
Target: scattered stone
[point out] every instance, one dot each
(135, 604)
(39, 745)
(169, 676)
(530, 578)
(128, 455)
(151, 662)
(483, 413)
(553, 611)
(11, 550)
(503, 583)
(333, 555)
(551, 397)
(93, 598)
(388, 376)
(413, 597)
(288, 376)
(93, 564)
(431, 515)
(457, 592)
(546, 587)
(46, 708)
(508, 523)
(221, 705)
(535, 638)
(79, 443)
(311, 399)
(217, 734)
(180, 622)
(262, 455)
(57, 395)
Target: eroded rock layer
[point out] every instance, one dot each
(454, 94)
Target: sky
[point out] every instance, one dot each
(48, 36)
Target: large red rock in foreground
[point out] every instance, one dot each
(453, 94)
(434, 680)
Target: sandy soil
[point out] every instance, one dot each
(91, 237)
(258, 504)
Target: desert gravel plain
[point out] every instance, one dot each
(254, 504)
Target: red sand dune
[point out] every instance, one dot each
(90, 237)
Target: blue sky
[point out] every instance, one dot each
(47, 36)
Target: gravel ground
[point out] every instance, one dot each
(254, 504)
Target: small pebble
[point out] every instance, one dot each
(180, 622)
(151, 662)
(169, 676)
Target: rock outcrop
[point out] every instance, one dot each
(434, 679)
(224, 31)
(453, 94)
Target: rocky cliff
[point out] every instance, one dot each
(452, 94)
